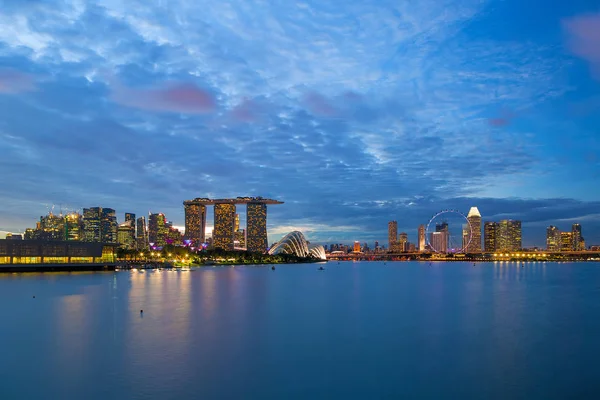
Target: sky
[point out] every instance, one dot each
(353, 113)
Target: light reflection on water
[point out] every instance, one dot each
(355, 330)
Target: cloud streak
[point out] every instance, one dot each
(12, 81)
(584, 38)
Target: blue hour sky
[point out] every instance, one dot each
(352, 112)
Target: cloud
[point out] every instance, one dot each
(319, 105)
(12, 81)
(185, 98)
(584, 38)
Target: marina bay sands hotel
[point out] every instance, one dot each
(225, 221)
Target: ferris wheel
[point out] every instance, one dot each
(448, 231)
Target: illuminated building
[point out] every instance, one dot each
(125, 234)
(108, 225)
(91, 224)
(295, 243)
(239, 239)
(442, 247)
(223, 236)
(174, 237)
(50, 227)
(195, 222)
(14, 236)
(553, 239)
(566, 241)
(439, 241)
(74, 227)
(29, 253)
(422, 239)
(577, 239)
(474, 218)
(141, 234)
(256, 227)
(224, 225)
(403, 242)
(130, 217)
(157, 230)
(392, 234)
(356, 246)
(508, 235)
(489, 236)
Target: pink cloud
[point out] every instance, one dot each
(12, 81)
(184, 98)
(319, 105)
(505, 119)
(584, 38)
(246, 111)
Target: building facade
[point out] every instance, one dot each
(508, 236)
(157, 230)
(553, 239)
(141, 235)
(422, 239)
(195, 223)
(489, 236)
(577, 238)
(224, 225)
(392, 234)
(256, 227)
(474, 218)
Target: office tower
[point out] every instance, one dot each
(422, 239)
(239, 239)
(224, 225)
(173, 235)
(195, 222)
(256, 227)
(553, 239)
(566, 241)
(577, 239)
(489, 236)
(108, 225)
(508, 235)
(443, 227)
(439, 241)
(130, 217)
(392, 234)
(141, 234)
(356, 246)
(74, 227)
(125, 234)
(51, 227)
(474, 218)
(403, 241)
(376, 245)
(157, 230)
(92, 224)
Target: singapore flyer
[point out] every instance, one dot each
(448, 231)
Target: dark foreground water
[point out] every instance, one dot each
(355, 330)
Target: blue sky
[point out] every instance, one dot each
(352, 112)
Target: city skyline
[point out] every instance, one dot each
(352, 115)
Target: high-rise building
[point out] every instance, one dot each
(356, 246)
(141, 234)
(474, 218)
(577, 238)
(392, 234)
(256, 227)
(553, 239)
(130, 217)
(566, 241)
(126, 234)
(422, 239)
(489, 236)
(508, 235)
(403, 242)
(439, 241)
(239, 239)
(443, 227)
(92, 231)
(158, 230)
(195, 222)
(108, 225)
(224, 225)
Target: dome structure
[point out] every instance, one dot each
(295, 243)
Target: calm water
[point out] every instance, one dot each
(356, 330)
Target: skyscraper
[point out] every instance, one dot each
(129, 217)
(422, 240)
(489, 236)
(195, 222)
(157, 230)
(141, 234)
(403, 242)
(126, 234)
(508, 235)
(439, 241)
(91, 224)
(474, 218)
(566, 241)
(553, 239)
(74, 227)
(256, 227)
(223, 236)
(392, 234)
(356, 247)
(577, 239)
(108, 225)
